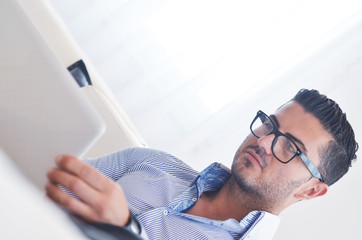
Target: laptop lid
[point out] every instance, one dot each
(43, 112)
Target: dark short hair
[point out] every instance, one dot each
(337, 156)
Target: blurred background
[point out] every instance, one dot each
(191, 75)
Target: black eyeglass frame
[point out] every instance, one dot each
(311, 167)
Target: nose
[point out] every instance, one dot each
(266, 143)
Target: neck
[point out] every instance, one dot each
(228, 202)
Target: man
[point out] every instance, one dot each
(292, 155)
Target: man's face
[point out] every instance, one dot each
(259, 174)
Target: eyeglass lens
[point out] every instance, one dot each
(283, 148)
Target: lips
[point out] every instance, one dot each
(253, 156)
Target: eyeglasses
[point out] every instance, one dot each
(283, 147)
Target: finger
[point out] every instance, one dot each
(85, 192)
(72, 204)
(81, 169)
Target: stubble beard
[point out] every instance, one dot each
(261, 194)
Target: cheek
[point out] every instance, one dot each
(291, 171)
(249, 140)
(280, 169)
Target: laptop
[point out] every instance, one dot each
(43, 112)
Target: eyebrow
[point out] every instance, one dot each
(301, 144)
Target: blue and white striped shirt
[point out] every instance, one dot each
(160, 189)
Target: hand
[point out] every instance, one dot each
(101, 199)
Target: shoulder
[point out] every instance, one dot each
(159, 159)
(144, 154)
(138, 153)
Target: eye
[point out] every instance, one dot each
(267, 124)
(289, 146)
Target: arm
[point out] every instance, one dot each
(116, 164)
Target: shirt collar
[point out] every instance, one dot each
(212, 178)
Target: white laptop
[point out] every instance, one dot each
(26, 214)
(43, 112)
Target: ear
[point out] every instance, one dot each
(316, 189)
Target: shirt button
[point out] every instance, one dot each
(165, 212)
(194, 199)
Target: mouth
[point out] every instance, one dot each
(253, 157)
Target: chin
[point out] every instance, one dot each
(239, 171)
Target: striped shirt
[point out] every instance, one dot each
(160, 189)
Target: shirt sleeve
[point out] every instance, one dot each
(116, 164)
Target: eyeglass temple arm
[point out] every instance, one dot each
(311, 167)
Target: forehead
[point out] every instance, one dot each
(293, 119)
